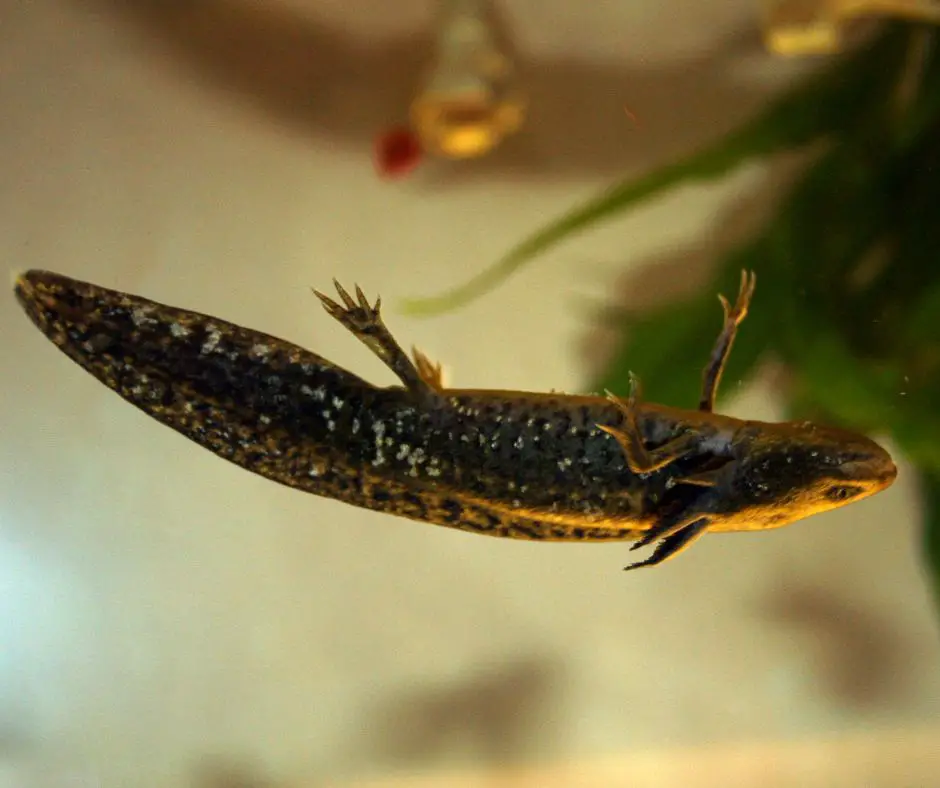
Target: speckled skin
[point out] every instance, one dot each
(509, 464)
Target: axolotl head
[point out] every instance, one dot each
(785, 472)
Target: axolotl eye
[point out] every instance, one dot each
(842, 492)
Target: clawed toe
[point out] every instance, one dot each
(358, 315)
(738, 312)
(429, 371)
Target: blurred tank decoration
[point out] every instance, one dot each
(469, 99)
(822, 27)
(848, 262)
(397, 152)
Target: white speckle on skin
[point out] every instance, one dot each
(338, 403)
(565, 463)
(378, 427)
(319, 393)
(264, 419)
(717, 443)
(306, 390)
(433, 470)
(330, 425)
(327, 414)
(212, 340)
(403, 451)
(260, 350)
(355, 426)
(519, 443)
(179, 330)
(141, 316)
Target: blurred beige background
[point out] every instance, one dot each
(169, 620)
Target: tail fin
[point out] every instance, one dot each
(242, 394)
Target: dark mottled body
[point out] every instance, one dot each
(512, 464)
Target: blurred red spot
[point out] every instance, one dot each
(397, 152)
(632, 116)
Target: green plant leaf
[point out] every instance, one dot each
(907, 287)
(922, 325)
(918, 118)
(835, 100)
(666, 350)
(835, 217)
(824, 221)
(862, 397)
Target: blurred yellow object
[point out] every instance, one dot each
(470, 101)
(812, 27)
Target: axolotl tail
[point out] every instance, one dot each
(251, 398)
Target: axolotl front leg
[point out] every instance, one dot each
(680, 530)
(422, 379)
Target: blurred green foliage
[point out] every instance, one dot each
(848, 269)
